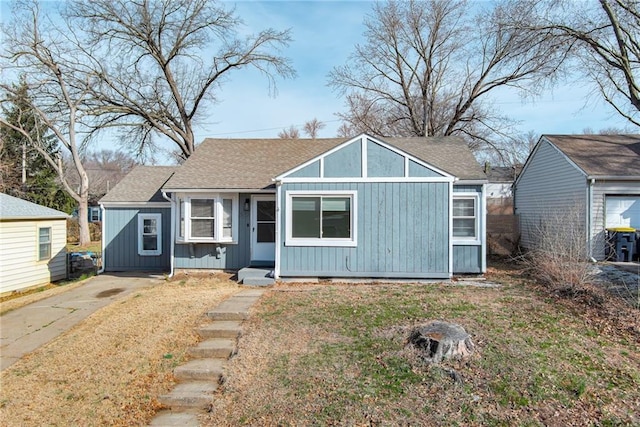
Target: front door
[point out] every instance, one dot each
(263, 230)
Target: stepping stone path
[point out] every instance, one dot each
(199, 378)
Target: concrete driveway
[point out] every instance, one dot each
(25, 329)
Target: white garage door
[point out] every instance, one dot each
(622, 211)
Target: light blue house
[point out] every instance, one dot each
(404, 208)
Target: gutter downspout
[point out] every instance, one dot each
(102, 244)
(173, 231)
(276, 270)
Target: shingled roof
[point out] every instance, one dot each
(253, 163)
(14, 208)
(141, 185)
(601, 155)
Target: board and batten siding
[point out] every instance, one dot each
(121, 240)
(549, 192)
(402, 232)
(220, 256)
(19, 265)
(602, 189)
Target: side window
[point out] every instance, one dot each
(465, 218)
(44, 243)
(149, 234)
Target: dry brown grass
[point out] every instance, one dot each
(336, 355)
(110, 368)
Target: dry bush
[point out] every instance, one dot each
(559, 256)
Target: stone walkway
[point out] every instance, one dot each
(199, 378)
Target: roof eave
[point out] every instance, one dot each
(614, 177)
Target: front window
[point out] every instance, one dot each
(149, 234)
(465, 218)
(321, 219)
(44, 243)
(207, 218)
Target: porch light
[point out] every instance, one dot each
(246, 204)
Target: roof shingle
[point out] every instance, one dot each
(13, 208)
(253, 163)
(601, 155)
(142, 184)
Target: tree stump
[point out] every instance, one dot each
(441, 340)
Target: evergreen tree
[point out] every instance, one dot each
(24, 172)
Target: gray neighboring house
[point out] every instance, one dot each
(361, 207)
(33, 241)
(597, 175)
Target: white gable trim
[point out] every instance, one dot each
(362, 139)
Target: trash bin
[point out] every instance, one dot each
(621, 244)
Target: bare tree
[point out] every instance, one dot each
(55, 99)
(606, 40)
(312, 127)
(291, 133)
(162, 61)
(427, 67)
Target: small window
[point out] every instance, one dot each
(321, 220)
(149, 234)
(207, 218)
(465, 218)
(95, 214)
(44, 243)
(203, 218)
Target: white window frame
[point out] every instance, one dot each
(49, 243)
(476, 204)
(185, 200)
(345, 242)
(141, 218)
(94, 211)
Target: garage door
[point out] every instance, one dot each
(622, 211)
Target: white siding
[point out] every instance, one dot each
(549, 186)
(19, 265)
(600, 191)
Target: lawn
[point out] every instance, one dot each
(336, 355)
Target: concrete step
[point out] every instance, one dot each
(216, 348)
(169, 418)
(258, 281)
(235, 308)
(196, 394)
(250, 274)
(221, 329)
(200, 369)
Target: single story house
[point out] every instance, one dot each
(595, 176)
(410, 208)
(33, 250)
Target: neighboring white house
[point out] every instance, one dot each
(592, 181)
(32, 244)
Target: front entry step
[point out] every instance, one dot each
(216, 348)
(196, 394)
(200, 369)
(255, 276)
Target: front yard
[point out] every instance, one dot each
(336, 355)
(327, 354)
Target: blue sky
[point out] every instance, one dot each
(324, 35)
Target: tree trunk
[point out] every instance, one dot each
(83, 209)
(441, 340)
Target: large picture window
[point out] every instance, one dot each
(44, 243)
(207, 218)
(149, 234)
(324, 219)
(465, 217)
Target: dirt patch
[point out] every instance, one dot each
(110, 368)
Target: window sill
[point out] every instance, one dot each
(466, 242)
(213, 242)
(155, 253)
(321, 242)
